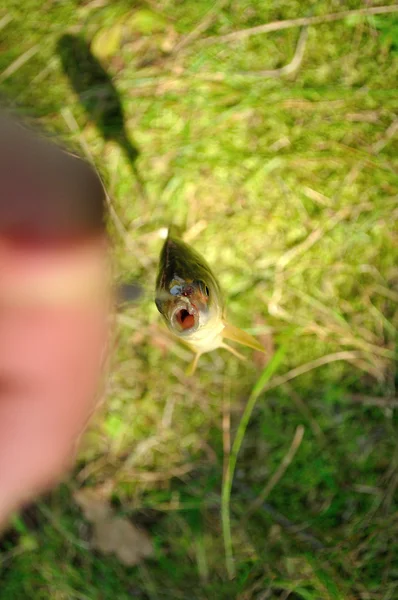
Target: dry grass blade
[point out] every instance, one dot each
(300, 22)
(309, 366)
(40, 76)
(233, 457)
(288, 69)
(200, 28)
(299, 250)
(280, 471)
(263, 384)
(312, 238)
(4, 21)
(19, 62)
(372, 401)
(306, 413)
(74, 128)
(389, 134)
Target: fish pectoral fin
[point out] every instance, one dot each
(230, 332)
(233, 351)
(192, 366)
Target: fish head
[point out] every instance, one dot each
(188, 305)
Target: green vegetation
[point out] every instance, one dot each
(288, 186)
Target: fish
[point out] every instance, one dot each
(191, 302)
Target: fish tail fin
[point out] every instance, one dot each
(192, 366)
(230, 332)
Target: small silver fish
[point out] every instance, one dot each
(191, 302)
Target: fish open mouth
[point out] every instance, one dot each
(185, 318)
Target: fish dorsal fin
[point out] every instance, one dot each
(230, 332)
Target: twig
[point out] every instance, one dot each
(19, 62)
(278, 474)
(300, 22)
(288, 69)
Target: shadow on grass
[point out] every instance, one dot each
(96, 91)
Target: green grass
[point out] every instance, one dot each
(288, 186)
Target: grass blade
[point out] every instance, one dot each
(265, 376)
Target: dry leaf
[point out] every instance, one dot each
(113, 534)
(94, 505)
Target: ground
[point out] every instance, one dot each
(286, 182)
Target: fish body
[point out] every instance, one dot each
(191, 302)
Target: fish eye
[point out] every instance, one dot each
(204, 288)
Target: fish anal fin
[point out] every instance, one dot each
(230, 332)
